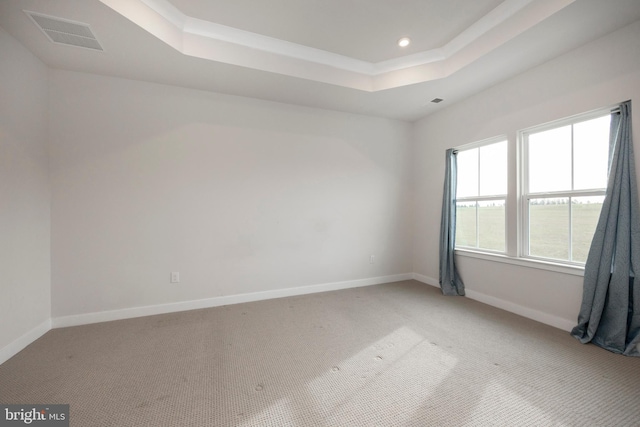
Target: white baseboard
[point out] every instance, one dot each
(83, 319)
(128, 313)
(529, 313)
(426, 279)
(10, 350)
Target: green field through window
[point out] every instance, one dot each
(490, 216)
(549, 227)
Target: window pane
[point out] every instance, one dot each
(549, 228)
(493, 169)
(550, 160)
(591, 153)
(585, 212)
(467, 173)
(491, 225)
(466, 224)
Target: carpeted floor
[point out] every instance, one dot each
(398, 354)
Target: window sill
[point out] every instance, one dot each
(573, 270)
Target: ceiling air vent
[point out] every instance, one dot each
(67, 32)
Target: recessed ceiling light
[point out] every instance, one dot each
(437, 100)
(404, 42)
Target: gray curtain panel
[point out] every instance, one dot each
(610, 312)
(450, 281)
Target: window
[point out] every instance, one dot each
(564, 181)
(481, 196)
(551, 213)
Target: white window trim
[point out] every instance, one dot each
(514, 244)
(540, 264)
(482, 142)
(524, 196)
(504, 197)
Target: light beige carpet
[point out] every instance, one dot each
(399, 354)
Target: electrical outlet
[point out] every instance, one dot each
(372, 259)
(175, 277)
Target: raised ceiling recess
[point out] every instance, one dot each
(218, 37)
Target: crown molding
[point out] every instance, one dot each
(216, 42)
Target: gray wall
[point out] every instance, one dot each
(599, 74)
(25, 273)
(238, 195)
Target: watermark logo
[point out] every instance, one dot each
(34, 415)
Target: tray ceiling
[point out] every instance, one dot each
(333, 54)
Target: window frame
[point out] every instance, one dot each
(515, 220)
(494, 197)
(524, 195)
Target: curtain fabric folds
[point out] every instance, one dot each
(610, 312)
(450, 281)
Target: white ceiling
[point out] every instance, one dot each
(333, 54)
(363, 29)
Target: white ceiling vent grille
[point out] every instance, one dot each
(67, 32)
